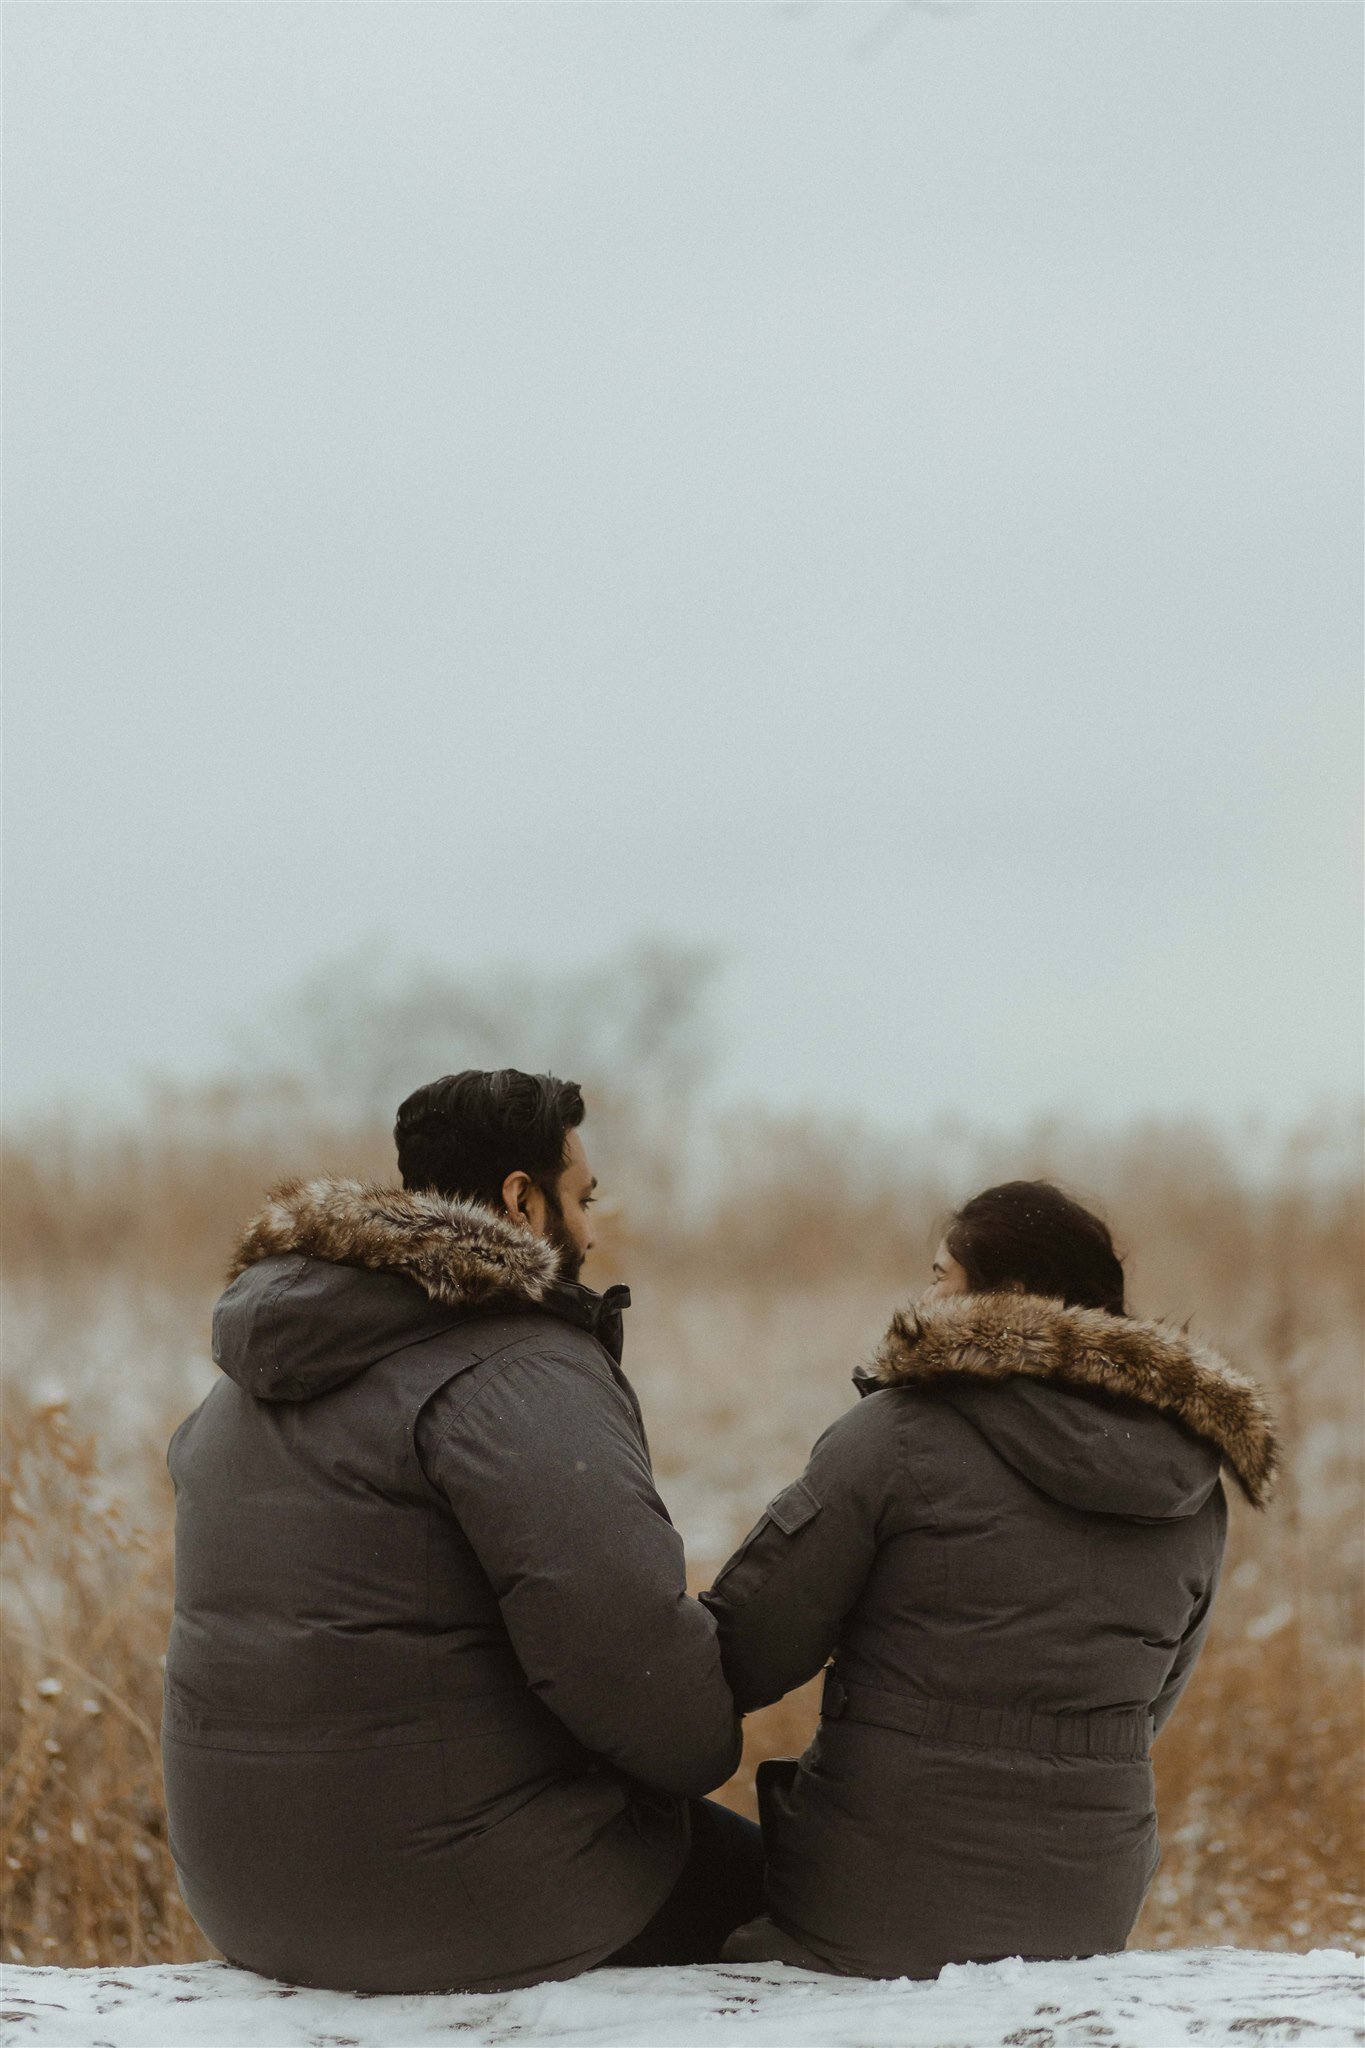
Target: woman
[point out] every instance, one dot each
(1011, 1548)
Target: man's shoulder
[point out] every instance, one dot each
(530, 1333)
(530, 1371)
(528, 1346)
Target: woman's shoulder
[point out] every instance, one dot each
(886, 1423)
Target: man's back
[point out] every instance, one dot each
(435, 1695)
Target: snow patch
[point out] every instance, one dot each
(1208, 1998)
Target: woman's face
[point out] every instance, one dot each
(949, 1278)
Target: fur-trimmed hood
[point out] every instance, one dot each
(333, 1275)
(972, 1341)
(459, 1253)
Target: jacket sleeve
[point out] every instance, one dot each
(783, 1597)
(1192, 1642)
(546, 1472)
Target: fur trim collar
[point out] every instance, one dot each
(459, 1253)
(992, 1336)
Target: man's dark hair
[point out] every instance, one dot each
(1027, 1233)
(463, 1135)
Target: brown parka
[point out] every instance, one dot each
(1010, 1547)
(436, 1696)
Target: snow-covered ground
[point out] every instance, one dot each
(1209, 1998)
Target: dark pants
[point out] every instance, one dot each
(720, 1886)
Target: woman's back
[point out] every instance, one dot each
(1012, 1547)
(1015, 1587)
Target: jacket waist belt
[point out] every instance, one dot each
(1111, 1732)
(510, 1722)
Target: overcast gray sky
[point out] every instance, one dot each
(878, 492)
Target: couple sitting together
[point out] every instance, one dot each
(440, 1713)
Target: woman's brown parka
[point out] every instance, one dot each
(1011, 1548)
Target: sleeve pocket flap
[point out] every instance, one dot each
(793, 1508)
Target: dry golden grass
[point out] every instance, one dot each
(87, 1875)
(747, 1324)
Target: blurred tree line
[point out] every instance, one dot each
(740, 1195)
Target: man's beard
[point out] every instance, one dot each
(557, 1234)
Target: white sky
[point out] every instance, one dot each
(877, 492)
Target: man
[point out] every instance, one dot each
(439, 1712)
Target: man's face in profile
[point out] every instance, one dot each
(567, 1219)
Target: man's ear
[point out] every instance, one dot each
(515, 1190)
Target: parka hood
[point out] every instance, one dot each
(333, 1275)
(1101, 1412)
(459, 1253)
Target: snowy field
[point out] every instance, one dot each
(1210, 1998)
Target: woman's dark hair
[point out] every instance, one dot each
(1028, 1234)
(463, 1135)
